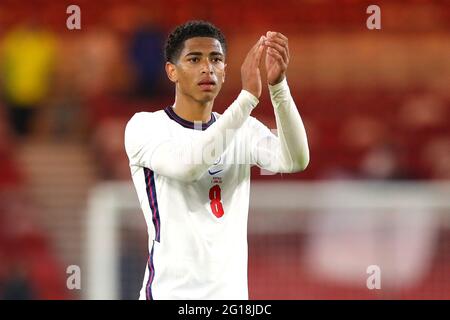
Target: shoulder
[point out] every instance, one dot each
(144, 124)
(145, 120)
(140, 117)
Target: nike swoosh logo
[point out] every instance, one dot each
(214, 172)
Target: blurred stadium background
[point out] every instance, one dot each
(376, 105)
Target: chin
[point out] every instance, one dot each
(207, 97)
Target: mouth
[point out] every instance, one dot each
(207, 85)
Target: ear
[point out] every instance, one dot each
(171, 72)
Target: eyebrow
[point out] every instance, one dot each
(213, 53)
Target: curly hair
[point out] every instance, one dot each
(194, 28)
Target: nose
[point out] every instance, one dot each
(207, 67)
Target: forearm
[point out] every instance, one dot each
(186, 160)
(294, 155)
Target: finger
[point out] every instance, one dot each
(281, 42)
(277, 56)
(282, 36)
(280, 49)
(251, 55)
(275, 45)
(276, 35)
(278, 40)
(257, 44)
(259, 53)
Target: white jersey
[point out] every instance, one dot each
(197, 231)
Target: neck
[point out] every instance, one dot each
(192, 110)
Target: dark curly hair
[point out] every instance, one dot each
(194, 28)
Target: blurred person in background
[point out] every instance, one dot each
(28, 53)
(385, 161)
(147, 59)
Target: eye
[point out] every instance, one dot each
(193, 59)
(217, 59)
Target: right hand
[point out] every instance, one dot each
(250, 73)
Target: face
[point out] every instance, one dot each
(200, 70)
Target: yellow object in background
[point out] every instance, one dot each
(28, 56)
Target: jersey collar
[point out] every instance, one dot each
(188, 124)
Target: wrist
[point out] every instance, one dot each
(282, 85)
(245, 97)
(277, 81)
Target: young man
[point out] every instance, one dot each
(191, 166)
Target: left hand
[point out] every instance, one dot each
(277, 57)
